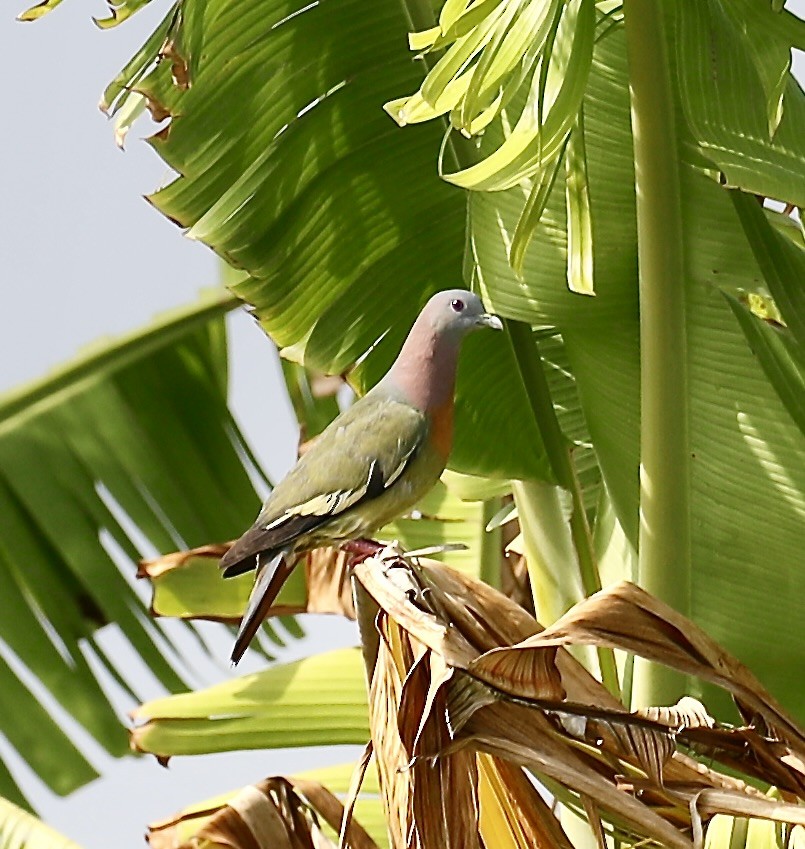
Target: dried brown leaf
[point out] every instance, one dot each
(179, 70)
(650, 748)
(714, 801)
(419, 606)
(515, 582)
(332, 812)
(460, 618)
(513, 814)
(626, 617)
(267, 815)
(794, 762)
(745, 749)
(414, 694)
(328, 585)
(459, 801)
(177, 559)
(686, 713)
(445, 798)
(385, 689)
(442, 789)
(252, 820)
(355, 785)
(594, 821)
(466, 696)
(529, 674)
(432, 801)
(474, 673)
(705, 803)
(453, 618)
(526, 737)
(630, 738)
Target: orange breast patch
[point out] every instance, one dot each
(441, 428)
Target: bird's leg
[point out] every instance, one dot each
(359, 550)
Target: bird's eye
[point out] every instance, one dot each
(457, 305)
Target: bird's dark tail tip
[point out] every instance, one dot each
(248, 629)
(272, 574)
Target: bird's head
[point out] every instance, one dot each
(455, 312)
(424, 373)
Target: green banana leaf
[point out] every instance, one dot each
(308, 183)
(291, 172)
(745, 469)
(21, 830)
(320, 189)
(131, 444)
(279, 707)
(779, 355)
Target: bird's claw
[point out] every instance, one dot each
(360, 550)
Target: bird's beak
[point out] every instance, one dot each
(488, 320)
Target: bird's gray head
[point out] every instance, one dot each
(424, 373)
(455, 312)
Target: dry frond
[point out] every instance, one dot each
(467, 690)
(281, 813)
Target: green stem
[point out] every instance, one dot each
(529, 363)
(542, 509)
(664, 567)
(491, 544)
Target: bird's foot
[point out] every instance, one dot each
(359, 550)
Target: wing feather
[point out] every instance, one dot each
(356, 459)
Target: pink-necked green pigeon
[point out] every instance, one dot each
(370, 465)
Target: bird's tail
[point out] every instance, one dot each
(272, 572)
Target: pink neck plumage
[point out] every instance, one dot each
(425, 370)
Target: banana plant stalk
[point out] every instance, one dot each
(529, 364)
(664, 541)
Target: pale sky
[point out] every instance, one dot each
(83, 256)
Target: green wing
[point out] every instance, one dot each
(357, 458)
